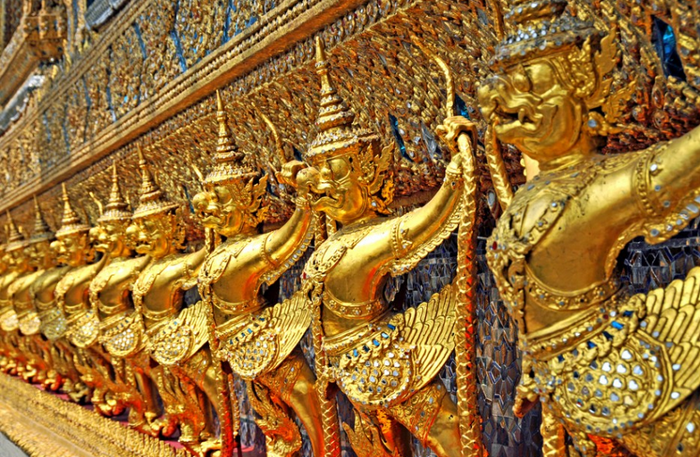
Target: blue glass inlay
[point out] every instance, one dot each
(394, 123)
(461, 107)
(617, 325)
(665, 44)
(591, 344)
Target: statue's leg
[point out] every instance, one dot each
(213, 384)
(431, 416)
(298, 392)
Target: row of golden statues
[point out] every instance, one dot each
(604, 364)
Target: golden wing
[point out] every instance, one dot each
(428, 331)
(290, 320)
(267, 338)
(673, 320)
(182, 336)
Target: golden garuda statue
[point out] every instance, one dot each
(384, 361)
(51, 319)
(17, 256)
(255, 337)
(603, 362)
(188, 380)
(110, 300)
(76, 345)
(34, 353)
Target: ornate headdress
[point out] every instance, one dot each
(116, 209)
(151, 198)
(228, 160)
(15, 239)
(70, 223)
(338, 136)
(230, 169)
(42, 231)
(584, 55)
(539, 28)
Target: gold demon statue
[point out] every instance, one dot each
(111, 300)
(74, 246)
(19, 261)
(603, 363)
(255, 337)
(31, 344)
(384, 361)
(51, 318)
(188, 381)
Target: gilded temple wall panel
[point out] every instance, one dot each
(150, 86)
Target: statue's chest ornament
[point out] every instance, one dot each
(145, 283)
(330, 253)
(533, 212)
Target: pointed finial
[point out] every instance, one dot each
(116, 208)
(42, 231)
(15, 239)
(70, 223)
(333, 112)
(226, 149)
(151, 198)
(336, 135)
(14, 235)
(228, 160)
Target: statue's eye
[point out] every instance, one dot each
(339, 168)
(521, 82)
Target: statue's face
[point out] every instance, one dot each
(39, 253)
(341, 193)
(216, 209)
(531, 108)
(73, 249)
(109, 237)
(154, 234)
(18, 258)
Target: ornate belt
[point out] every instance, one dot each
(366, 310)
(53, 323)
(123, 334)
(83, 329)
(8, 319)
(29, 322)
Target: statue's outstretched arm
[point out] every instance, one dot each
(418, 232)
(282, 243)
(668, 174)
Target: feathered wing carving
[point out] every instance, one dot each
(404, 354)
(181, 336)
(429, 328)
(673, 319)
(639, 364)
(267, 337)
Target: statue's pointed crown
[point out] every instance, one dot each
(537, 28)
(42, 231)
(337, 135)
(116, 208)
(15, 239)
(152, 199)
(70, 223)
(228, 160)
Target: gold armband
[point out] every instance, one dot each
(648, 192)
(399, 244)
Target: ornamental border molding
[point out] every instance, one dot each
(276, 32)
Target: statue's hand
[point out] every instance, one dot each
(452, 128)
(289, 172)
